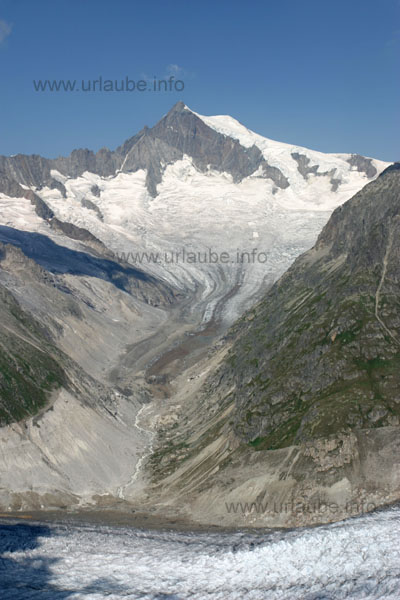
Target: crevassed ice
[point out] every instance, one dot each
(359, 558)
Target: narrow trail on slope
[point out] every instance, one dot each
(378, 291)
(23, 338)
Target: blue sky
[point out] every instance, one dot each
(319, 74)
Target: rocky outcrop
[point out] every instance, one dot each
(35, 171)
(77, 233)
(362, 164)
(303, 166)
(59, 259)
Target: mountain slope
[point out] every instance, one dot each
(301, 404)
(29, 369)
(43, 311)
(67, 431)
(321, 352)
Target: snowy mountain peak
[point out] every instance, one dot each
(216, 143)
(190, 181)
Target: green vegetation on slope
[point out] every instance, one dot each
(29, 369)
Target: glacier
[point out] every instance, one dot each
(358, 558)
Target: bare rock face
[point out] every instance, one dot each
(34, 170)
(180, 133)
